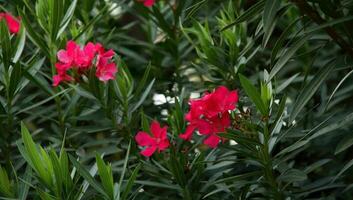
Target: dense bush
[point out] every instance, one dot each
(176, 99)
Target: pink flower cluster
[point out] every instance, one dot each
(80, 60)
(12, 22)
(210, 115)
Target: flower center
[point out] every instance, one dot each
(158, 140)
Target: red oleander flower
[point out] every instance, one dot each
(210, 115)
(148, 3)
(70, 54)
(106, 69)
(73, 57)
(158, 140)
(12, 22)
(86, 56)
(62, 75)
(57, 79)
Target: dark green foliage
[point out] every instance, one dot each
(290, 61)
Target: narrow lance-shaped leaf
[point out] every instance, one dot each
(253, 94)
(5, 184)
(310, 89)
(67, 18)
(32, 153)
(24, 187)
(286, 55)
(268, 18)
(248, 14)
(32, 34)
(130, 182)
(87, 176)
(143, 96)
(344, 169)
(5, 43)
(19, 43)
(279, 43)
(106, 176)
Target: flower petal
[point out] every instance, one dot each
(64, 57)
(149, 151)
(12, 23)
(158, 131)
(205, 127)
(106, 72)
(144, 139)
(163, 144)
(149, 3)
(212, 141)
(188, 132)
(57, 79)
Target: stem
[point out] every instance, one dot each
(8, 134)
(186, 194)
(268, 170)
(57, 98)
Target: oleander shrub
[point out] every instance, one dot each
(176, 99)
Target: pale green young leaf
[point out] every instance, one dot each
(254, 95)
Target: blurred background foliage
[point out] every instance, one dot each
(290, 61)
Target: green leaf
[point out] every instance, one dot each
(103, 12)
(253, 94)
(15, 78)
(67, 18)
(337, 87)
(5, 44)
(56, 12)
(310, 89)
(268, 18)
(316, 165)
(130, 182)
(292, 175)
(64, 165)
(296, 145)
(250, 13)
(158, 184)
(37, 162)
(286, 55)
(141, 86)
(328, 24)
(124, 168)
(287, 82)
(19, 44)
(344, 144)
(282, 38)
(5, 184)
(143, 96)
(84, 186)
(344, 169)
(106, 176)
(340, 123)
(87, 176)
(238, 177)
(281, 107)
(32, 34)
(24, 186)
(161, 22)
(42, 102)
(57, 171)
